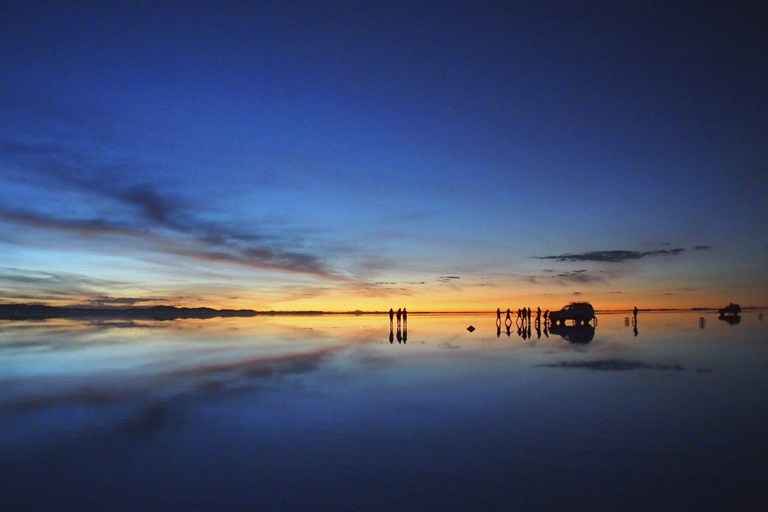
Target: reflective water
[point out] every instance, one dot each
(326, 413)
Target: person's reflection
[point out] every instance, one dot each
(634, 323)
(529, 329)
(391, 335)
(399, 334)
(538, 329)
(405, 333)
(546, 330)
(498, 329)
(509, 330)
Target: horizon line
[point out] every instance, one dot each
(338, 312)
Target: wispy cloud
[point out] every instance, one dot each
(107, 301)
(120, 206)
(581, 276)
(614, 256)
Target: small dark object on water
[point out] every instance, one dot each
(471, 328)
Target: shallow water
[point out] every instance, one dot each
(326, 413)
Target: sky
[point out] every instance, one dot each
(439, 156)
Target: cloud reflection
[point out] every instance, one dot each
(613, 365)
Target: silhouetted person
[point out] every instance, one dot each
(529, 314)
(519, 313)
(538, 313)
(635, 312)
(405, 316)
(498, 316)
(391, 315)
(508, 320)
(399, 315)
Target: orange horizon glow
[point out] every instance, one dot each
(453, 301)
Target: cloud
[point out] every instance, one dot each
(581, 276)
(106, 301)
(702, 247)
(154, 206)
(284, 262)
(86, 227)
(119, 205)
(610, 256)
(577, 276)
(229, 252)
(447, 279)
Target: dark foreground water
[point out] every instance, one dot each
(326, 413)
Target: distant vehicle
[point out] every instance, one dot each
(580, 312)
(730, 309)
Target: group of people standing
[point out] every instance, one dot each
(523, 314)
(402, 320)
(402, 315)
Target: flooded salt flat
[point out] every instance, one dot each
(332, 413)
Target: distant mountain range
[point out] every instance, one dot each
(38, 312)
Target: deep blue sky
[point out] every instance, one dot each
(334, 156)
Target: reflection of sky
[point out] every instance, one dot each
(336, 157)
(240, 410)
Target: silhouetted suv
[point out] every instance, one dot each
(581, 312)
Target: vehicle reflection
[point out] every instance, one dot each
(732, 319)
(582, 333)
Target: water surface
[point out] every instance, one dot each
(326, 413)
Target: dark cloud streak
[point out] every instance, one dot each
(163, 219)
(610, 256)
